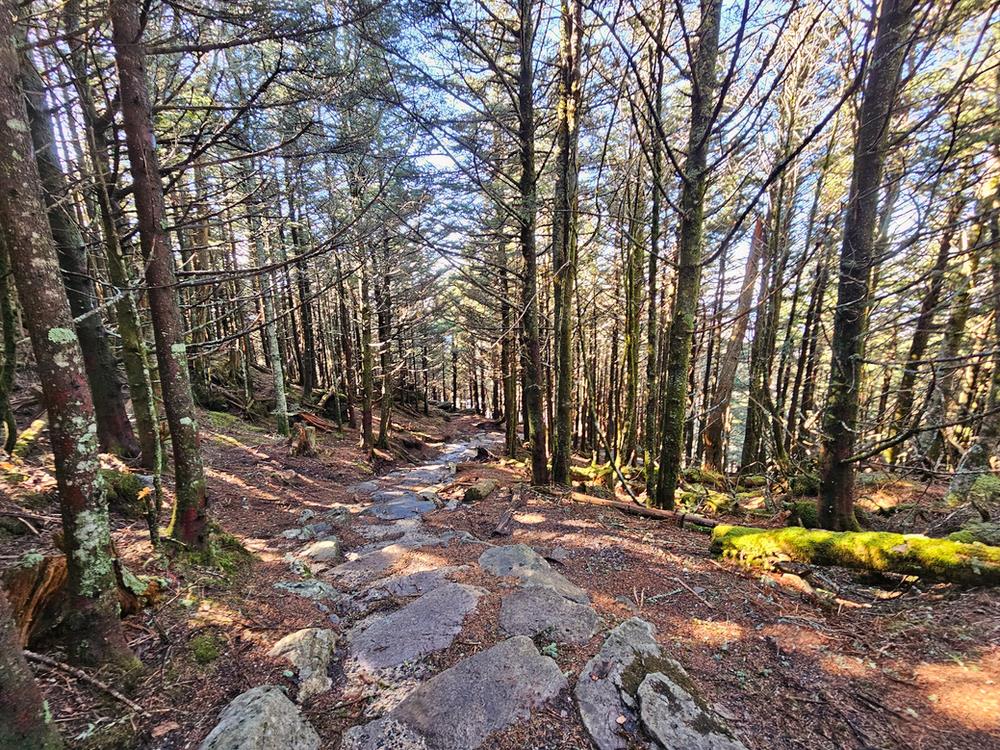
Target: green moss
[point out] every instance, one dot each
(204, 648)
(909, 554)
(115, 736)
(698, 475)
(804, 513)
(126, 492)
(804, 484)
(984, 532)
(221, 420)
(986, 489)
(751, 480)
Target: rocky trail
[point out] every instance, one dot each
(394, 602)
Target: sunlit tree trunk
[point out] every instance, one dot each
(531, 354)
(564, 230)
(93, 606)
(840, 420)
(689, 254)
(189, 524)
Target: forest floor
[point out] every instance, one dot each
(891, 663)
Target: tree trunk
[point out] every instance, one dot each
(712, 437)
(924, 326)
(367, 365)
(114, 431)
(531, 354)
(24, 717)
(689, 253)
(564, 230)
(840, 421)
(189, 524)
(97, 632)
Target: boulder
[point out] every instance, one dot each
(262, 718)
(309, 651)
(459, 708)
(427, 624)
(542, 611)
(321, 551)
(479, 491)
(631, 685)
(523, 563)
(675, 716)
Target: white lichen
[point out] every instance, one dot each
(62, 335)
(92, 537)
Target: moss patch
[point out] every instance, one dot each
(804, 513)
(204, 648)
(126, 492)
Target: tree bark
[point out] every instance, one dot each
(840, 421)
(531, 354)
(689, 253)
(712, 437)
(24, 717)
(114, 431)
(97, 632)
(564, 229)
(189, 524)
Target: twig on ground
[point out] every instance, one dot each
(81, 675)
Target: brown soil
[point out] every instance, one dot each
(891, 663)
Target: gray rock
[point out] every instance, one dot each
(610, 687)
(600, 695)
(370, 566)
(427, 624)
(459, 708)
(382, 734)
(502, 561)
(523, 563)
(321, 551)
(398, 504)
(675, 716)
(534, 611)
(415, 584)
(309, 651)
(310, 589)
(262, 718)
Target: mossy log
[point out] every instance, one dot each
(908, 554)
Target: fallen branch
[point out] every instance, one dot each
(909, 554)
(505, 525)
(679, 517)
(81, 675)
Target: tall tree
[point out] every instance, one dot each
(689, 252)
(189, 524)
(840, 419)
(531, 352)
(93, 606)
(564, 230)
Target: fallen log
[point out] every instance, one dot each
(679, 517)
(314, 420)
(907, 554)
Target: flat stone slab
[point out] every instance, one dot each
(370, 566)
(617, 683)
(418, 583)
(321, 551)
(459, 708)
(310, 589)
(523, 563)
(309, 651)
(427, 624)
(390, 505)
(542, 611)
(262, 718)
